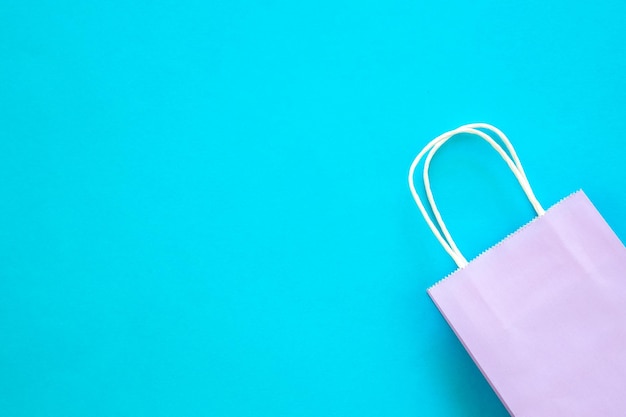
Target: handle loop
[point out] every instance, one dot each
(446, 241)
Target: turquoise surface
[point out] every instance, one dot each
(204, 208)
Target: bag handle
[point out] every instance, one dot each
(472, 130)
(432, 147)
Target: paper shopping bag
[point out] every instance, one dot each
(542, 313)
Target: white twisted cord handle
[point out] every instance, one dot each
(446, 241)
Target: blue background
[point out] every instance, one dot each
(204, 209)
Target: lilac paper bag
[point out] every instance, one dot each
(543, 313)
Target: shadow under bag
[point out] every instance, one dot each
(543, 312)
